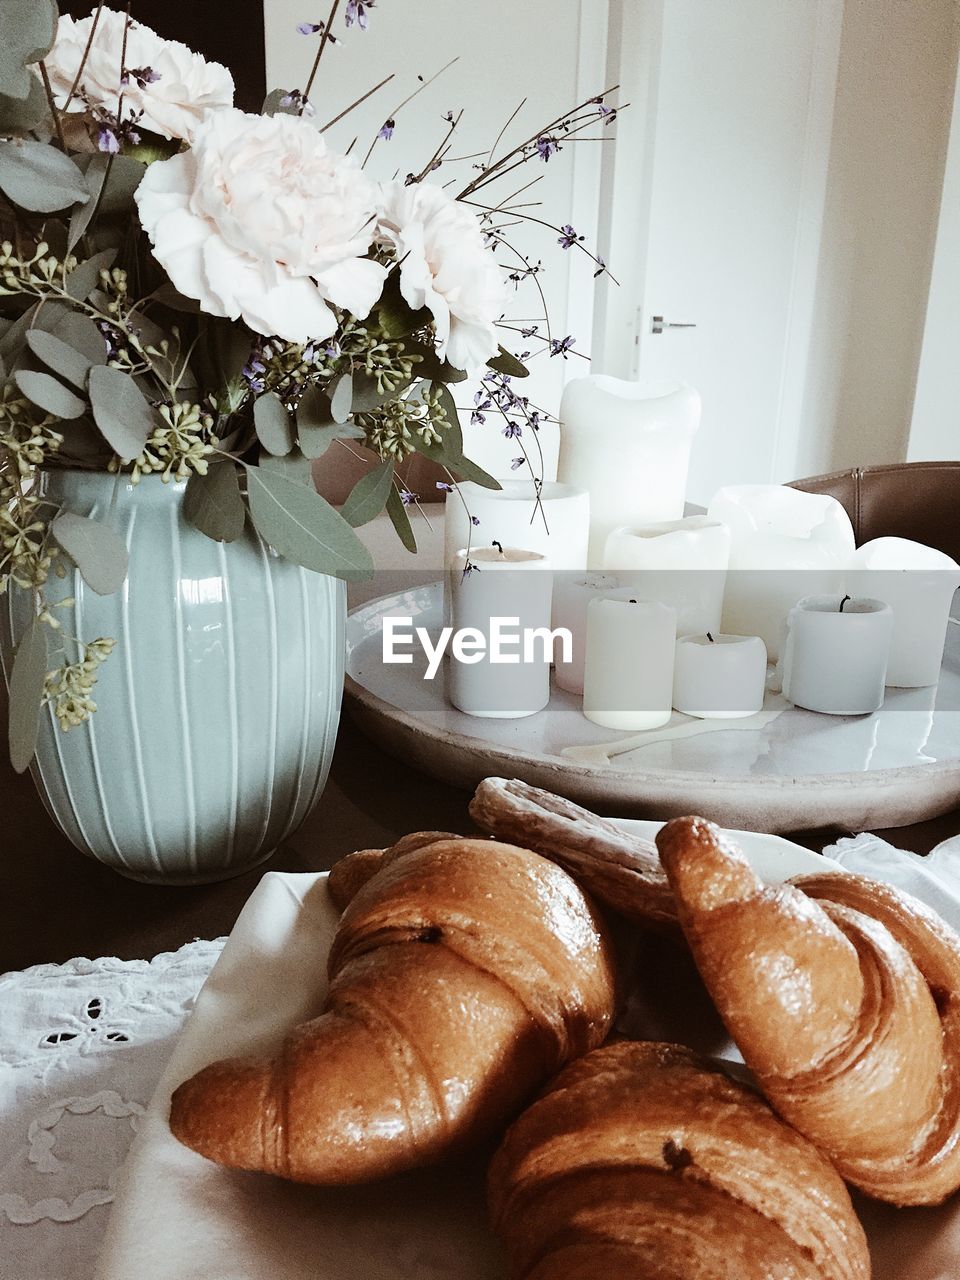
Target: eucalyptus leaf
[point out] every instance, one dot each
(121, 411)
(29, 29)
(315, 441)
(341, 398)
(274, 105)
(367, 397)
(83, 444)
(395, 315)
(110, 182)
(314, 408)
(59, 356)
(213, 503)
(466, 469)
(432, 368)
(48, 394)
(273, 426)
(97, 550)
(77, 330)
(40, 178)
(27, 678)
(294, 467)
(368, 496)
(20, 114)
(83, 279)
(506, 362)
(303, 527)
(400, 520)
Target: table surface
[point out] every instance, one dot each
(56, 904)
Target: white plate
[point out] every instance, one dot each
(772, 857)
(796, 771)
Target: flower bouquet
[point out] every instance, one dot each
(212, 298)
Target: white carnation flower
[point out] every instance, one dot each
(260, 220)
(444, 266)
(174, 87)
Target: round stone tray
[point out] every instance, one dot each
(784, 770)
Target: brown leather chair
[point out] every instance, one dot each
(916, 500)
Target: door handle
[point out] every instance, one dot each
(658, 324)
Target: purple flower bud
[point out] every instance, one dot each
(474, 520)
(568, 237)
(357, 11)
(309, 28)
(513, 431)
(444, 487)
(107, 140)
(517, 463)
(407, 498)
(546, 147)
(386, 130)
(560, 346)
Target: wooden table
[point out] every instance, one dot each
(56, 904)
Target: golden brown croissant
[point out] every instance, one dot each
(843, 996)
(620, 870)
(462, 975)
(642, 1162)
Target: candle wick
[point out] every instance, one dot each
(843, 602)
(710, 638)
(633, 601)
(497, 545)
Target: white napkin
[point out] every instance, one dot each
(176, 1216)
(934, 879)
(179, 1217)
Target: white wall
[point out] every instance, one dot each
(935, 431)
(507, 51)
(895, 92)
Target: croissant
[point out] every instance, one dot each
(462, 975)
(643, 1162)
(843, 996)
(618, 869)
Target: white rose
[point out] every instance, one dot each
(260, 220)
(445, 266)
(173, 103)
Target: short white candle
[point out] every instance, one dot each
(835, 659)
(557, 527)
(572, 593)
(628, 444)
(682, 563)
(785, 545)
(628, 673)
(918, 583)
(510, 588)
(720, 677)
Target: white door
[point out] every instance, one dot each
(726, 157)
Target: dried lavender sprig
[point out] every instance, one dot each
(83, 61)
(573, 244)
(489, 170)
(409, 98)
(324, 40)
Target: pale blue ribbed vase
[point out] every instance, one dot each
(218, 709)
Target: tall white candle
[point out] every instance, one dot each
(719, 677)
(835, 658)
(572, 593)
(918, 583)
(557, 526)
(628, 444)
(508, 593)
(682, 563)
(785, 545)
(628, 674)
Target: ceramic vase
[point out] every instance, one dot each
(217, 711)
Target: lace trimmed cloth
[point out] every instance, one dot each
(82, 1046)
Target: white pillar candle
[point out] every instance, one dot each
(785, 545)
(628, 444)
(918, 583)
(572, 593)
(508, 593)
(719, 677)
(835, 659)
(557, 527)
(682, 563)
(628, 672)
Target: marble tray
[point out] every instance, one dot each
(784, 770)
